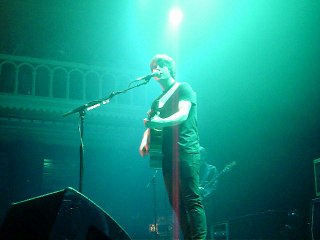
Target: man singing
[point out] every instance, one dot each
(177, 117)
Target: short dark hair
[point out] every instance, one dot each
(164, 60)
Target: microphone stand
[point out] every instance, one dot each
(81, 110)
(155, 214)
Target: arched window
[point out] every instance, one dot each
(92, 86)
(25, 78)
(7, 77)
(76, 85)
(42, 81)
(59, 83)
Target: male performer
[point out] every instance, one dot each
(180, 147)
(208, 175)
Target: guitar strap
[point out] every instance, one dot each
(155, 150)
(168, 94)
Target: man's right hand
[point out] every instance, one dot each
(144, 149)
(144, 146)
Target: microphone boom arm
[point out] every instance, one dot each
(87, 107)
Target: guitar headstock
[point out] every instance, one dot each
(229, 166)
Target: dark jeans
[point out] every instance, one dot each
(181, 177)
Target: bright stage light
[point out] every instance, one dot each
(175, 17)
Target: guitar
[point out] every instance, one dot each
(155, 141)
(155, 144)
(208, 187)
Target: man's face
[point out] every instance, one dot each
(164, 72)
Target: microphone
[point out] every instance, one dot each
(148, 77)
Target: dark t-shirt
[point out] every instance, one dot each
(183, 137)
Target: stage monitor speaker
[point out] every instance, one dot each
(263, 226)
(65, 214)
(315, 219)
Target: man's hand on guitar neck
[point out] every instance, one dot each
(155, 122)
(180, 116)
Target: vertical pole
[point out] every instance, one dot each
(82, 114)
(155, 204)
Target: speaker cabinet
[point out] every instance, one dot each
(263, 226)
(220, 231)
(65, 214)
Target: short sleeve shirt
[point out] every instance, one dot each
(184, 137)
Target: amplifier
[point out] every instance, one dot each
(263, 226)
(220, 231)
